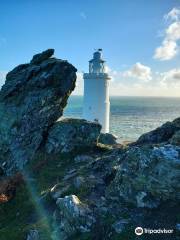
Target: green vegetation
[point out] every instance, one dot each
(23, 213)
(20, 215)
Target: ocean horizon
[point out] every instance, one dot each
(131, 116)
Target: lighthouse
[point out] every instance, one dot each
(96, 92)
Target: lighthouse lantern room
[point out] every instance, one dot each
(96, 92)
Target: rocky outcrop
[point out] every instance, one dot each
(31, 100)
(175, 140)
(107, 138)
(33, 235)
(161, 134)
(148, 176)
(69, 134)
(83, 184)
(73, 217)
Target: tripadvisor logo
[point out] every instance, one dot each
(139, 231)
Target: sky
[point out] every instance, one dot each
(140, 40)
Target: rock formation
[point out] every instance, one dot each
(148, 176)
(31, 100)
(68, 134)
(72, 216)
(161, 134)
(74, 182)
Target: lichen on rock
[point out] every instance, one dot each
(69, 134)
(73, 217)
(31, 100)
(148, 175)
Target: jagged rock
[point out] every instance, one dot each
(120, 225)
(57, 191)
(38, 58)
(148, 175)
(175, 140)
(33, 235)
(107, 138)
(31, 100)
(161, 134)
(69, 134)
(73, 216)
(83, 158)
(79, 182)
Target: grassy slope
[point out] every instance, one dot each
(23, 213)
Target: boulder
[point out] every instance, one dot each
(73, 217)
(107, 138)
(148, 176)
(40, 57)
(70, 134)
(120, 225)
(33, 235)
(175, 140)
(31, 100)
(83, 158)
(161, 134)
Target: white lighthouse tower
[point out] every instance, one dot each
(96, 92)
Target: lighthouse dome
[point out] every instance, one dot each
(97, 55)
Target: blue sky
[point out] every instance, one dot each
(129, 31)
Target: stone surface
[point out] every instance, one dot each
(70, 134)
(161, 134)
(120, 225)
(175, 140)
(33, 235)
(73, 217)
(79, 182)
(148, 175)
(40, 57)
(31, 100)
(83, 158)
(107, 138)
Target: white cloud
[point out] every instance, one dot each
(173, 31)
(166, 51)
(174, 14)
(133, 82)
(79, 84)
(169, 47)
(139, 71)
(171, 77)
(162, 84)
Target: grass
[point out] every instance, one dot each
(20, 215)
(24, 213)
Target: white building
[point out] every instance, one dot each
(96, 92)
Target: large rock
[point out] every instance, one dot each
(175, 140)
(107, 138)
(73, 217)
(33, 235)
(31, 100)
(68, 134)
(148, 176)
(161, 134)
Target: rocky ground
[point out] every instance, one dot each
(63, 179)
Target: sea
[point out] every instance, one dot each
(130, 117)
